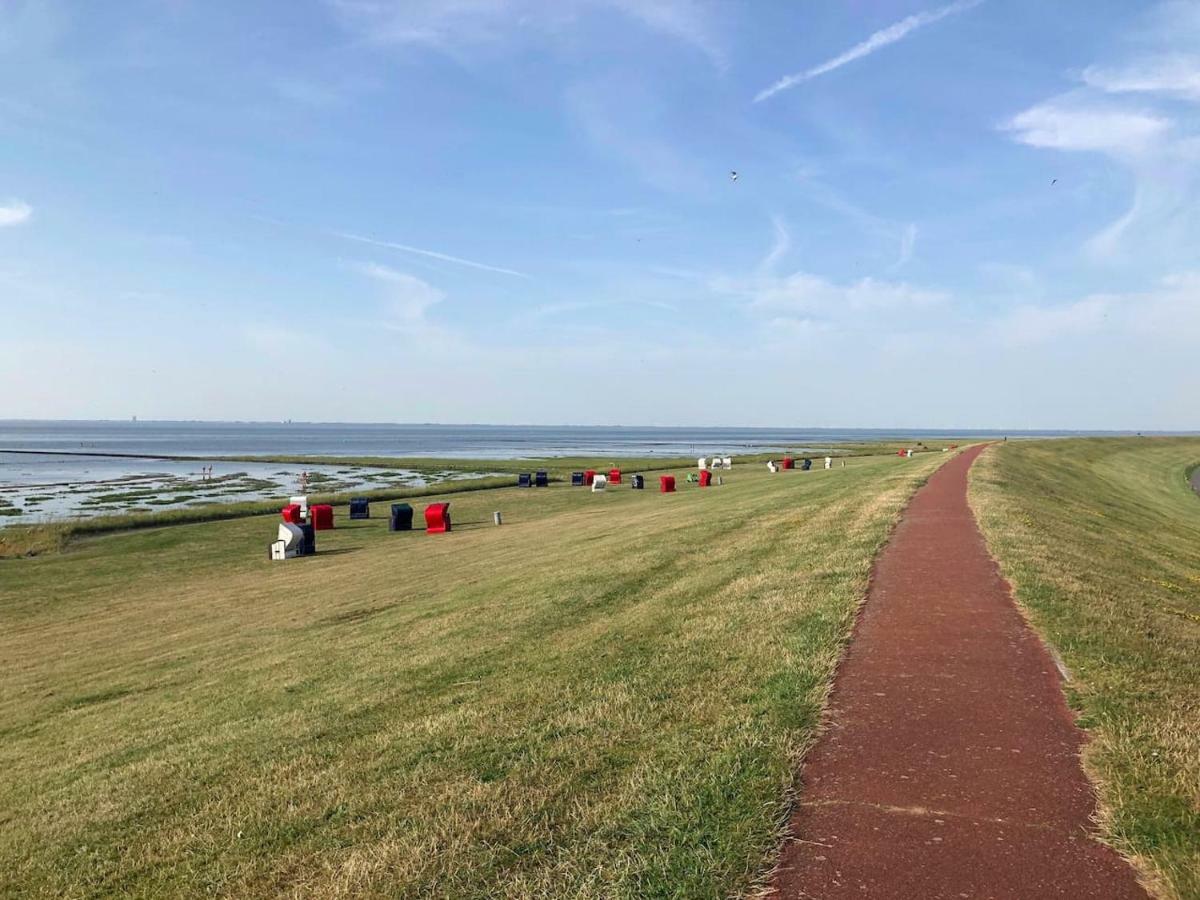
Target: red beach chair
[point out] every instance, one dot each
(437, 518)
(322, 516)
(666, 484)
(291, 514)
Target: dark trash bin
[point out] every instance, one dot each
(541, 479)
(638, 482)
(524, 480)
(309, 547)
(360, 508)
(576, 479)
(401, 518)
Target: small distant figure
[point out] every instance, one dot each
(733, 176)
(1053, 182)
(303, 482)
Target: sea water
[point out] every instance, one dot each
(68, 474)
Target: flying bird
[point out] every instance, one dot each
(733, 176)
(1053, 181)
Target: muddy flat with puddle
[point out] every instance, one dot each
(42, 487)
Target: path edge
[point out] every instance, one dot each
(1102, 813)
(762, 888)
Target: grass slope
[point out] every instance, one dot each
(1101, 540)
(605, 697)
(51, 536)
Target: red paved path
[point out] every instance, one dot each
(950, 767)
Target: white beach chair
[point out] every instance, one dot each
(702, 463)
(829, 462)
(772, 467)
(599, 483)
(289, 542)
(302, 502)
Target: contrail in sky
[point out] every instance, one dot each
(877, 41)
(430, 253)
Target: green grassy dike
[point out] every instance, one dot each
(606, 697)
(1101, 542)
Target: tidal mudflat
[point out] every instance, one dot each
(44, 487)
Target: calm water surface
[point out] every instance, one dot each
(469, 441)
(63, 477)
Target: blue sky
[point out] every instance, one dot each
(967, 214)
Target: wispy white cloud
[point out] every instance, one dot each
(887, 231)
(1166, 313)
(818, 302)
(1174, 75)
(1156, 142)
(908, 245)
(408, 298)
(810, 294)
(450, 25)
(622, 118)
(688, 21)
(877, 41)
(432, 254)
(14, 212)
(814, 300)
(1029, 324)
(434, 23)
(548, 310)
(1069, 124)
(783, 243)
